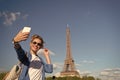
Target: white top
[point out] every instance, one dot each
(35, 68)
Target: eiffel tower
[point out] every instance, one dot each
(69, 66)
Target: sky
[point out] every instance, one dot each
(94, 30)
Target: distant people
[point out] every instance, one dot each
(34, 68)
(53, 78)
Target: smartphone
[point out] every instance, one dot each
(26, 29)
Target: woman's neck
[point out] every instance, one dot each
(32, 52)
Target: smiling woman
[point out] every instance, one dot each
(33, 65)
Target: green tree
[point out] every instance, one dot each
(2, 75)
(98, 79)
(91, 78)
(73, 78)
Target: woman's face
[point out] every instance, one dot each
(35, 45)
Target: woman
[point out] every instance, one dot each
(34, 68)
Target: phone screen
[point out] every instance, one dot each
(26, 29)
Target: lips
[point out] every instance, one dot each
(35, 48)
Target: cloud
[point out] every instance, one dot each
(87, 62)
(77, 65)
(85, 73)
(112, 74)
(104, 73)
(61, 65)
(57, 66)
(11, 17)
(25, 16)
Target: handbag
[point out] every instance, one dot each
(14, 72)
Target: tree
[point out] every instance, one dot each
(2, 75)
(91, 78)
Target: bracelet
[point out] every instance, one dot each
(13, 42)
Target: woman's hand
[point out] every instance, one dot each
(46, 54)
(21, 36)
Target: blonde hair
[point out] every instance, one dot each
(38, 37)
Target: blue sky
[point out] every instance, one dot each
(94, 27)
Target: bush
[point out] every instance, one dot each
(2, 75)
(72, 78)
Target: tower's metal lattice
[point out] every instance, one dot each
(69, 66)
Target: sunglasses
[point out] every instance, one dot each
(39, 44)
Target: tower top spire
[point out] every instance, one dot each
(67, 25)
